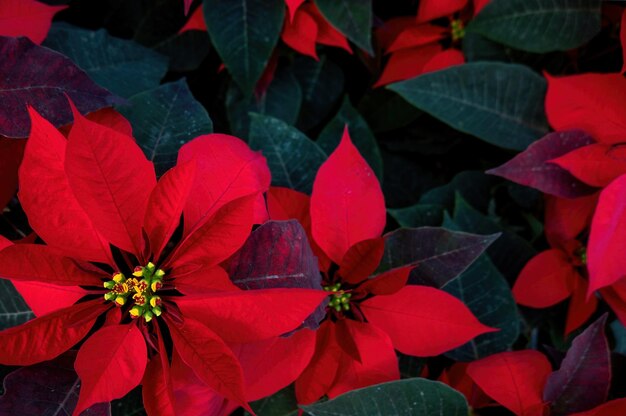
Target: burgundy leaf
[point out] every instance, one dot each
(49, 388)
(582, 382)
(278, 255)
(439, 254)
(37, 76)
(531, 167)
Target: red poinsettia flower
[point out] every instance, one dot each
(368, 318)
(109, 227)
(28, 18)
(560, 272)
(415, 46)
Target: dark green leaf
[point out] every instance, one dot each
(13, 310)
(164, 119)
(419, 215)
(360, 134)
(322, 84)
(121, 66)
(410, 397)
(185, 51)
(282, 403)
(487, 294)
(292, 157)
(282, 100)
(539, 25)
(619, 333)
(386, 111)
(473, 186)
(129, 405)
(244, 33)
(499, 103)
(353, 18)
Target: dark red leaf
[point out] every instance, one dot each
(612, 408)
(347, 204)
(11, 152)
(277, 255)
(532, 167)
(110, 364)
(21, 84)
(433, 9)
(50, 388)
(580, 308)
(513, 379)
(583, 380)
(361, 260)
(423, 321)
(46, 337)
(111, 179)
(566, 218)
(439, 254)
(386, 283)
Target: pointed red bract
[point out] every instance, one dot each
(300, 33)
(443, 60)
(33, 262)
(608, 237)
(423, 321)
(547, 279)
(11, 153)
(195, 22)
(212, 361)
(591, 102)
(433, 9)
(407, 63)
(347, 204)
(187, 4)
(110, 364)
(596, 164)
(226, 170)
(253, 315)
(378, 360)
(361, 260)
(157, 388)
(326, 33)
(111, 179)
(292, 7)
(48, 200)
(44, 298)
(319, 375)
(219, 237)
(165, 205)
(566, 218)
(610, 408)
(202, 280)
(416, 35)
(26, 18)
(513, 379)
(386, 283)
(580, 308)
(622, 38)
(110, 118)
(45, 338)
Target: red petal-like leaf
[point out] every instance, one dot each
(566, 218)
(611, 408)
(253, 315)
(433, 9)
(292, 6)
(622, 37)
(361, 260)
(580, 308)
(547, 279)
(195, 22)
(513, 379)
(219, 237)
(212, 361)
(165, 205)
(444, 59)
(300, 33)
(317, 378)
(326, 33)
(386, 283)
(157, 388)
(187, 5)
(110, 118)
(21, 85)
(407, 63)
(417, 35)
(457, 378)
(33, 262)
(202, 280)
(11, 153)
(45, 194)
(271, 365)
(27, 18)
(110, 364)
(532, 167)
(596, 165)
(226, 170)
(608, 237)
(45, 338)
(583, 380)
(277, 255)
(591, 102)
(347, 205)
(49, 388)
(422, 320)
(378, 360)
(44, 298)
(112, 181)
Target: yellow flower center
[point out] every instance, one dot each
(140, 289)
(458, 29)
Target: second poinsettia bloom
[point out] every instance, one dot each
(368, 317)
(116, 248)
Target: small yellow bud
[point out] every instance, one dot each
(109, 285)
(150, 266)
(135, 312)
(148, 316)
(138, 272)
(157, 311)
(109, 296)
(118, 277)
(159, 273)
(154, 301)
(120, 300)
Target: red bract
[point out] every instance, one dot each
(367, 317)
(414, 46)
(108, 225)
(11, 152)
(28, 18)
